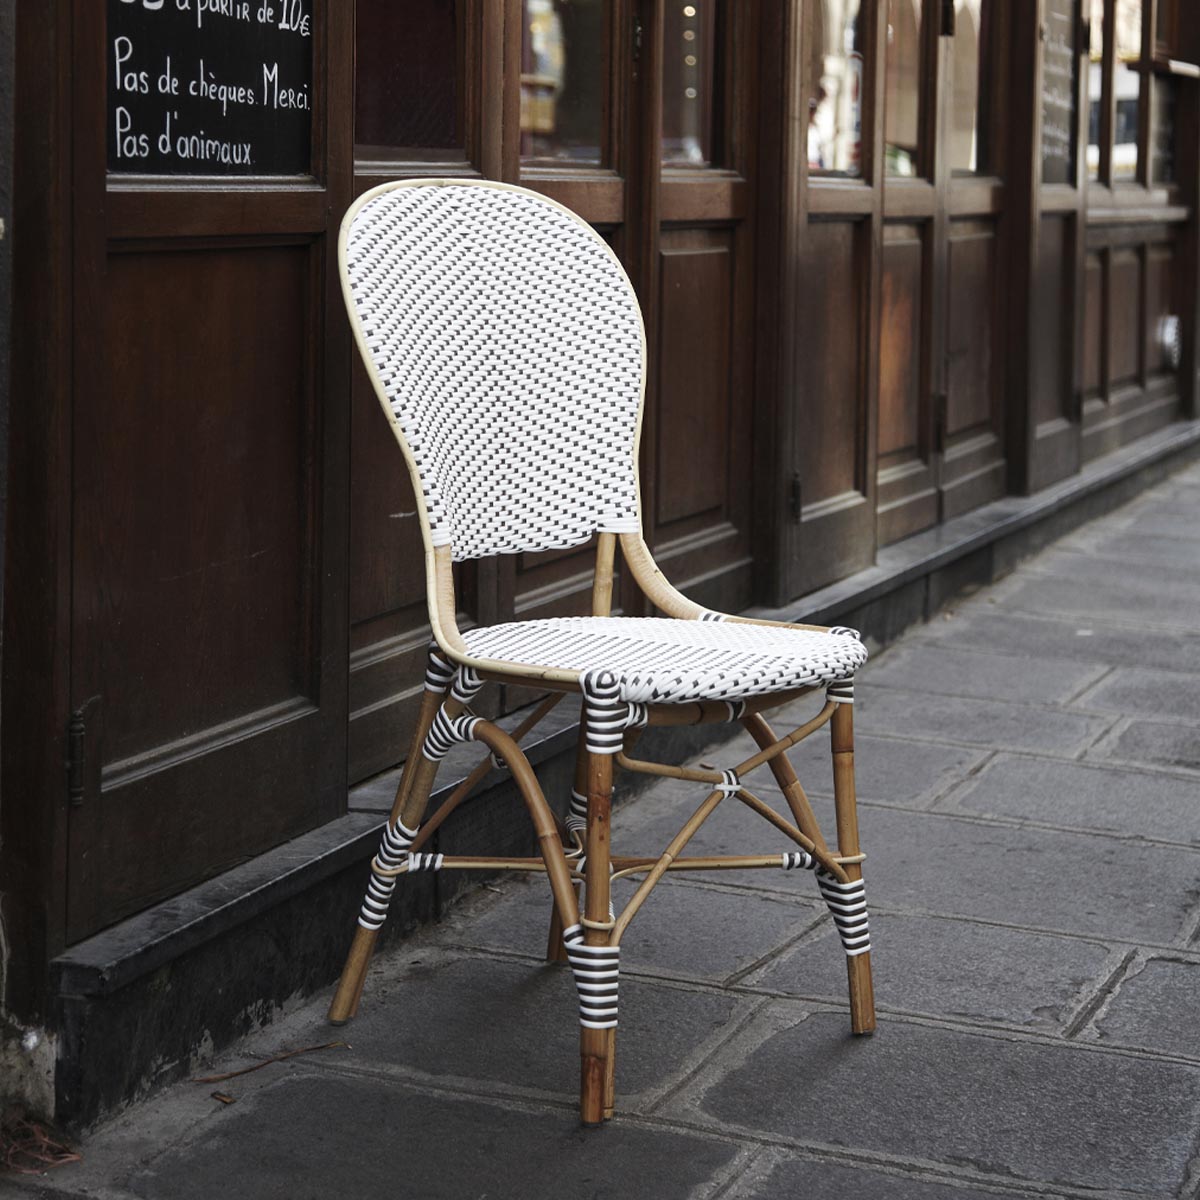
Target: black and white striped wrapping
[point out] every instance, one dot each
(841, 690)
(438, 672)
(848, 904)
(596, 970)
(577, 813)
(393, 849)
(446, 732)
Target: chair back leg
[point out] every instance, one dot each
(858, 966)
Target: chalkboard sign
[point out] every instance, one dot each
(1059, 77)
(210, 87)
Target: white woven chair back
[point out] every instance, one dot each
(507, 344)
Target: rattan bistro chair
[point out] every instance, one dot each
(506, 346)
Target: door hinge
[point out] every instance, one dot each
(76, 744)
(948, 18)
(941, 417)
(795, 498)
(77, 741)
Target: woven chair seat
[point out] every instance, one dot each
(660, 660)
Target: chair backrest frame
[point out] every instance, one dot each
(513, 375)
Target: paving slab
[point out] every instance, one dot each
(515, 1026)
(1115, 593)
(1137, 691)
(997, 724)
(1154, 743)
(1134, 546)
(1043, 879)
(1021, 1109)
(691, 932)
(1035, 636)
(1105, 799)
(947, 670)
(318, 1136)
(951, 968)
(808, 1177)
(1156, 1007)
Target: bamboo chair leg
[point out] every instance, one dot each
(555, 950)
(416, 783)
(596, 1046)
(858, 967)
(785, 779)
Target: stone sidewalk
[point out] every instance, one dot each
(1029, 767)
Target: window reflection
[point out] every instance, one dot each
(834, 31)
(689, 79)
(1095, 12)
(562, 80)
(1127, 83)
(971, 87)
(902, 114)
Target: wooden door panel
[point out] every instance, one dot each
(1161, 302)
(973, 461)
(1093, 326)
(836, 522)
(699, 523)
(1051, 322)
(1125, 311)
(196, 579)
(907, 491)
(192, 507)
(693, 451)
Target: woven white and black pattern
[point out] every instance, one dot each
(660, 660)
(509, 343)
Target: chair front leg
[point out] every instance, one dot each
(595, 962)
(858, 964)
(408, 810)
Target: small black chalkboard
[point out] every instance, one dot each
(1059, 67)
(210, 87)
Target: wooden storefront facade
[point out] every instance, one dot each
(898, 259)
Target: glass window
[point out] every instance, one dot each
(406, 79)
(562, 80)
(689, 83)
(902, 119)
(1095, 86)
(1163, 159)
(836, 37)
(971, 85)
(1127, 84)
(1059, 73)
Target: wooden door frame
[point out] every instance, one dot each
(37, 614)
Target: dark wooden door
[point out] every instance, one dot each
(942, 326)
(832, 252)
(209, 434)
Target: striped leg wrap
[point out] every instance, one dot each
(841, 690)
(424, 862)
(737, 709)
(801, 859)
(608, 716)
(577, 813)
(596, 970)
(438, 672)
(846, 901)
(446, 732)
(466, 684)
(848, 904)
(393, 849)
